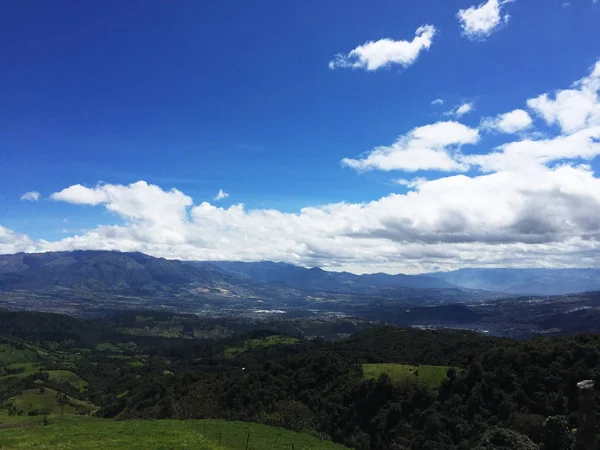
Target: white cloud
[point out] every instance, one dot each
(461, 110)
(438, 101)
(431, 147)
(508, 217)
(32, 196)
(510, 122)
(221, 195)
(531, 202)
(161, 212)
(13, 242)
(525, 154)
(374, 55)
(478, 22)
(80, 195)
(411, 183)
(572, 109)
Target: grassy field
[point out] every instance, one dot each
(10, 354)
(87, 433)
(108, 347)
(19, 360)
(65, 376)
(135, 363)
(34, 400)
(251, 344)
(21, 369)
(431, 375)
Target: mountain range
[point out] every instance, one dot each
(137, 272)
(524, 281)
(110, 271)
(317, 279)
(101, 271)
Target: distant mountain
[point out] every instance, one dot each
(101, 271)
(586, 320)
(318, 279)
(92, 282)
(524, 281)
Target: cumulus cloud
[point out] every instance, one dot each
(572, 109)
(431, 147)
(373, 55)
(510, 122)
(13, 242)
(461, 110)
(437, 101)
(488, 219)
(80, 195)
(32, 196)
(525, 202)
(478, 22)
(527, 153)
(411, 183)
(221, 195)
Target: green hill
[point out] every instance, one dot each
(66, 376)
(430, 375)
(87, 433)
(15, 352)
(253, 344)
(33, 401)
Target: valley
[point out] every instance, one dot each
(94, 283)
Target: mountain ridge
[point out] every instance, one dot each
(530, 281)
(318, 279)
(106, 270)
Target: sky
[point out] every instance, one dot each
(368, 136)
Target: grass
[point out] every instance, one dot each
(58, 376)
(25, 366)
(251, 344)
(20, 370)
(430, 375)
(65, 376)
(262, 437)
(87, 433)
(33, 399)
(108, 347)
(10, 354)
(123, 357)
(136, 364)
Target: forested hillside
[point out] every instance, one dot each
(396, 388)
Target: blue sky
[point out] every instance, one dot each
(239, 96)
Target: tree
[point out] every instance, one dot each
(62, 400)
(531, 425)
(557, 434)
(503, 439)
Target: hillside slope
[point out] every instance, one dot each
(101, 271)
(86, 433)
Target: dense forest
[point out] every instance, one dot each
(492, 393)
